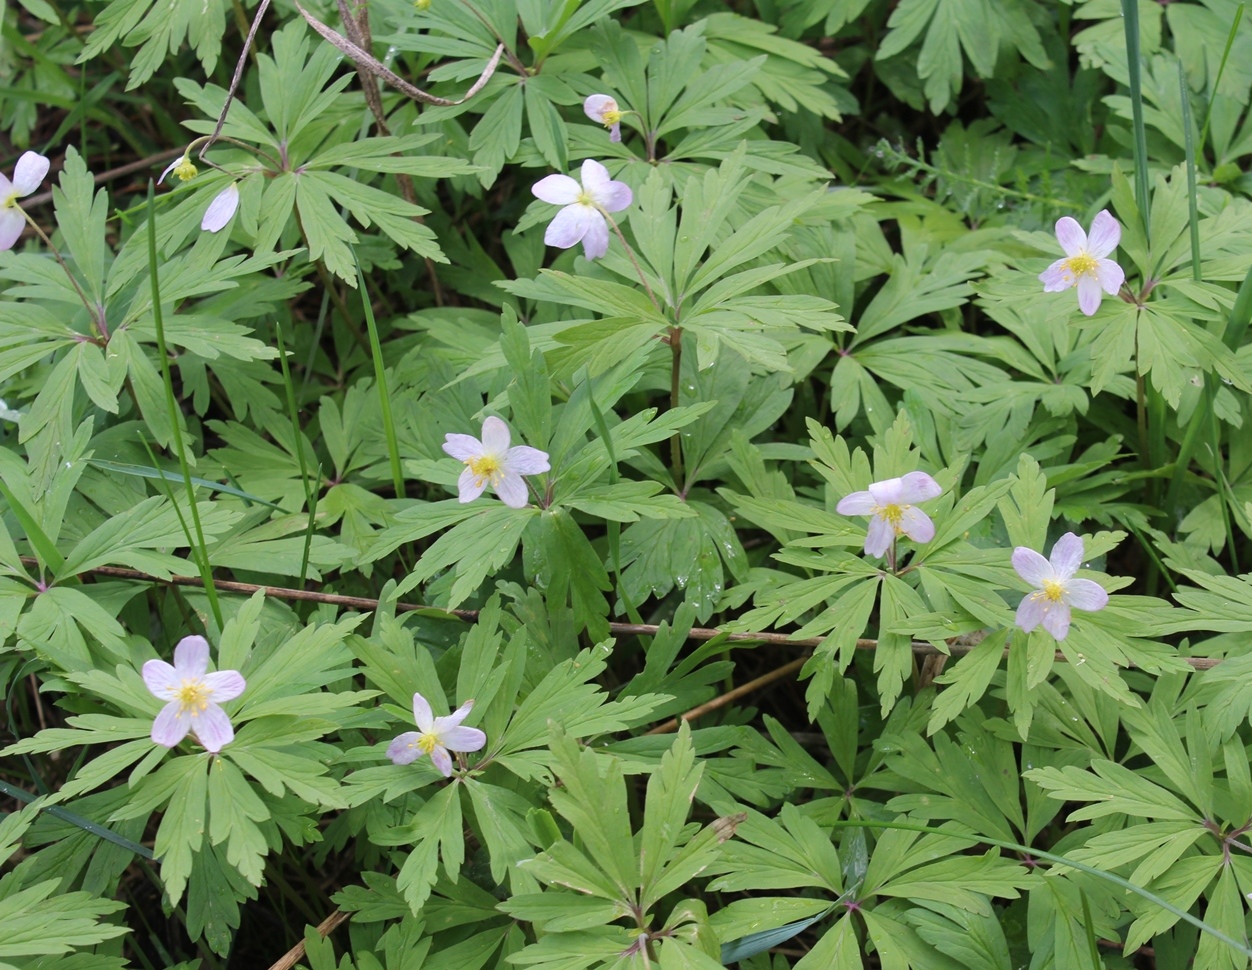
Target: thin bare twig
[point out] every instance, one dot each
(730, 695)
(325, 928)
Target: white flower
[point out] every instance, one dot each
(193, 695)
(182, 167)
(582, 219)
(891, 507)
(436, 736)
(1056, 589)
(221, 209)
(492, 462)
(602, 108)
(28, 174)
(1084, 264)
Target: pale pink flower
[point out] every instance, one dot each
(193, 696)
(891, 506)
(1085, 265)
(28, 175)
(492, 462)
(436, 736)
(1056, 589)
(602, 108)
(582, 219)
(221, 209)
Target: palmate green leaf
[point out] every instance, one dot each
(181, 833)
(435, 833)
(563, 564)
(39, 921)
(1112, 788)
(498, 134)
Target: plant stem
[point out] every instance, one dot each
(95, 312)
(675, 340)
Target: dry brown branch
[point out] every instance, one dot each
(325, 928)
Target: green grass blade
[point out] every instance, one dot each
(44, 546)
(298, 435)
(1221, 69)
(1130, 21)
(1189, 144)
(614, 529)
(380, 374)
(145, 471)
(86, 824)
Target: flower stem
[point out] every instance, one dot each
(675, 339)
(95, 312)
(630, 253)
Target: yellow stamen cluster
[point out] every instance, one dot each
(1053, 591)
(610, 117)
(192, 695)
(892, 513)
(1081, 265)
(185, 170)
(486, 468)
(428, 743)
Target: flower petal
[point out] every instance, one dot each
(916, 524)
(858, 503)
(1070, 235)
(11, 225)
(557, 189)
(170, 167)
(224, 685)
(615, 135)
(512, 491)
(449, 721)
(524, 460)
(469, 486)
(423, 717)
(596, 239)
(888, 492)
(171, 725)
(160, 678)
(29, 173)
(212, 729)
(191, 657)
(1056, 277)
(1084, 594)
(1110, 275)
(1056, 620)
(596, 104)
(463, 739)
(1089, 294)
(879, 537)
(222, 209)
(443, 761)
(495, 437)
(918, 487)
(462, 447)
(615, 196)
(595, 178)
(1066, 556)
(1031, 566)
(1031, 610)
(403, 750)
(1106, 233)
(568, 226)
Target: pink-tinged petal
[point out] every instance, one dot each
(916, 524)
(596, 239)
(557, 189)
(1089, 294)
(442, 760)
(512, 491)
(496, 437)
(1056, 620)
(1070, 235)
(1106, 233)
(29, 173)
(595, 106)
(222, 209)
(160, 678)
(404, 750)
(858, 503)
(918, 487)
(170, 167)
(11, 225)
(1031, 610)
(1084, 594)
(1032, 567)
(469, 486)
(423, 717)
(462, 447)
(450, 721)
(615, 135)
(212, 729)
(1066, 556)
(1056, 277)
(191, 657)
(171, 725)
(879, 537)
(525, 460)
(224, 685)
(1110, 275)
(889, 492)
(568, 226)
(614, 197)
(463, 739)
(595, 178)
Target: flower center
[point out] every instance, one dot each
(1053, 591)
(486, 468)
(193, 696)
(891, 513)
(10, 201)
(428, 742)
(185, 170)
(610, 117)
(1083, 264)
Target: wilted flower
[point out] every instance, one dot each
(891, 505)
(193, 696)
(183, 167)
(582, 219)
(1056, 589)
(436, 736)
(1084, 264)
(221, 209)
(28, 173)
(602, 108)
(492, 462)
